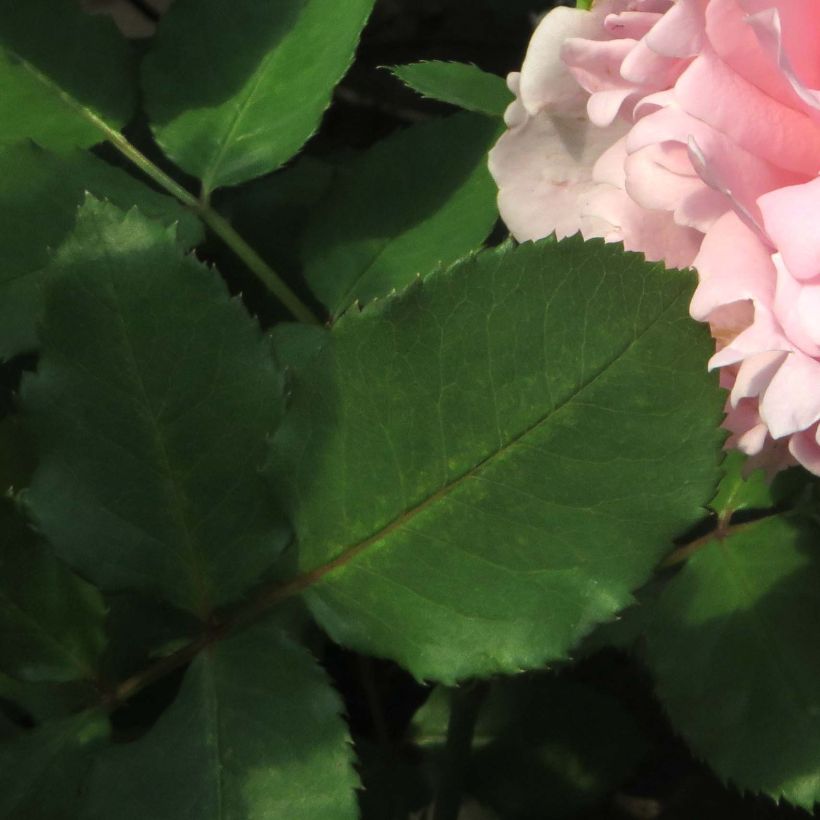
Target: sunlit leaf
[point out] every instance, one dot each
(483, 468)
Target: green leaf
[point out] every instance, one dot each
(627, 630)
(543, 746)
(39, 196)
(734, 653)
(234, 95)
(742, 490)
(51, 622)
(42, 772)
(739, 492)
(255, 732)
(461, 84)
(66, 78)
(152, 403)
(294, 344)
(483, 468)
(420, 199)
(43, 702)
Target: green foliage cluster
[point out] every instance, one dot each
(472, 461)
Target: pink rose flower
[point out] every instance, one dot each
(689, 130)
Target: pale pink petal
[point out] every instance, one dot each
(735, 42)
(767, 26)
(653, 233)
(753, 120)
(543, 169)
(753, 440)
(681, 31)
(791, 402)
(632, 25)
(790, 216)
(604, 106)
(793, 307)
(739, 176)
(545, 80)
(805, 449)
(653, 184)
(754, 375)
(733, 265)
(764, 334)
(792, 21)
(644, 67)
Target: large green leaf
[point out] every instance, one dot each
(254, 733)
(235, 90)
(43, 702)
(734, 652)
(461, 84)
(481, 469)
(42, 772)
(419, 199)
(65, 77)
(152, 403)
(39, 196)
(51, 622)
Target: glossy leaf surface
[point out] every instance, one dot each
(461, 84)
(483, 468)
(235, 91)
(418, 200)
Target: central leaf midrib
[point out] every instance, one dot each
(348, 553)
(72, 102)
(178, 496)
(217, 157)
